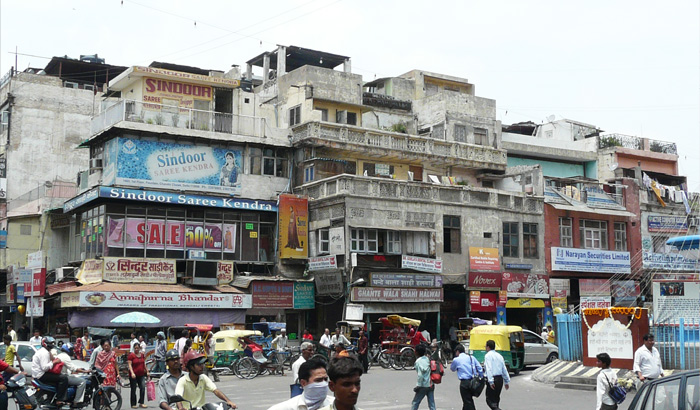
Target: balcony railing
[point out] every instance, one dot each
(170, 116)
(398, 190)
(629, 141)
(468, 155)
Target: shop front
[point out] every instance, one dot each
(483, 290)
(527, 301)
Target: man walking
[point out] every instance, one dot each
(497, 375)
(12, 333)
(363, 349)
(160, 351)
(424, 387)
(326, 339)
(465, 366)
(647, 361)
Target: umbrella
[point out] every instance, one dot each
(135, 318)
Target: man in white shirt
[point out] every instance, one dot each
(180, 343)
(281, 341)
(339, 338)
(647, 361)
(11, 332)
(64, 355)
(36, 339)
(142, 342)
(134, 340)
(307, 350)
(326, 339)
(496, 375)
(544, 333)
(42, 362)
(314, 380)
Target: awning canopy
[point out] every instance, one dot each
(168, 317)
(393, 228)
(586, 209)
(685, 242)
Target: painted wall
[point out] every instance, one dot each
(550, 168)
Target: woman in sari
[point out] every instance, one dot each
(107, 362)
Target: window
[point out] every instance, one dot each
(352, 118)
(660, 244)
(594, 234)
(269, 161)
(460, 134)
(309, 173)
(665, 393)
(620, 236)
(530, 240)
(324, 114)
(566, 237)
(393, 242)
(451, 234)
(25, 229)
(324, 244)
(417, 243)
(481, 136)
(510, 239)
(364, 240)
(295, 115)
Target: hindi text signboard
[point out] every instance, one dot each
(323, 263)
(329, 283)
(405, 280)
(139, 270)
(421, 264)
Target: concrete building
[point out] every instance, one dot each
(400, 183)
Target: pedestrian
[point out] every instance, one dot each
(326, 338)
(23, 332)
(137, 375)
(168, 381)
(36, 339)
(280, 342)
(550, 334)
(142, 342)
(647, 361)
(453, 336)
(11, 355)
(363, 349)
(307, 335)
(344, 374)
(307, 350)
(496, 374)
(180, 343)
(465, 365)
(134, 341)
(545, 334)
(78, 348)
(424, 387)
(340, 351)
(106, 360)
(339, 338)
(12, 333)
(313, 378)
(606, 378)
(115, 340)
(159, 353)
(8, 370)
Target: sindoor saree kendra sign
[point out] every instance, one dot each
(370, 294)
(157, 300)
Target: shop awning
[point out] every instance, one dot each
(401, 308)
(586, 209)
(392, 228)
(168, 317)
(525, 303)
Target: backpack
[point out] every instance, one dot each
(616, 392)
(436, 371)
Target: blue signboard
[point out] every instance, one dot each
(160, 164)
(186, 199)
(667, 223)
(524, 266)
(3, 239)
(304, 295)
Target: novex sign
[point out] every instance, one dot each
(484, 280)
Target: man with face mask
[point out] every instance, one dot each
(314, 380)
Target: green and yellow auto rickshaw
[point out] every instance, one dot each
(509, 340)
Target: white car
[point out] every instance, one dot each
(538, 350)
(26, 350)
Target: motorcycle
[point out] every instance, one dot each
(101, 397)
(208, 406)
(22, 394)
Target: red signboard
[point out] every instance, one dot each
(417, 295)
(484, 281)
(273, 294)
(526, 285)
(38, 287)
(486, 302)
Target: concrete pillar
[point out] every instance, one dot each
(249, 71)
(347, 66)
(281, 60)
(266, 67)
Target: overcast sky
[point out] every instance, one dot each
(630, 67)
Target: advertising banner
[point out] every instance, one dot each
(10, 294)
(675, 299)
(559, 287)
(156, 300)
(135, 233)
(337, 240)
(594, 287)
(170, 165)
(293, 226)
(421, 264)
(502, 297)
(371, 294)
(484, 280)
(159, 197)
(474, 297)
(484, 302)
(70, 299)
(669, 262)
(328, 283)
(304, 295)
(35, 307)
(323, 262)
(224, 272)
(526, 285)
(273, 294)
(405, 280)
(589, 260)
(593, 302)
(90, 271)
(484, 259)
(667, 223)
(559, 302)
(139, 270)
(38, 286)
(35, 260)
(625, 292)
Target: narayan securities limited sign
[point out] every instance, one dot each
(589, 260)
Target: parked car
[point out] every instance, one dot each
(26, 350)
(680, 391)
(538, 350)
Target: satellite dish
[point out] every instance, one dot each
(613, 166)
(551, 118)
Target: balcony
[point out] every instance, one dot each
(372, 142)
(184, 118)
(632, 142)
(396, 190)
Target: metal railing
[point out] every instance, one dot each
(170, 116)
(632, 142)
(678, 341)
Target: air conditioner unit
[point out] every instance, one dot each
(64, 272)
(70, 84)
(96, 163)
(693, 221)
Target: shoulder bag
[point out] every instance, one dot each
(477, 383)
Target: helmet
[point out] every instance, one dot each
(172, 354)
(48, 342)
(68, 348)
(161, 334)
(193, 356)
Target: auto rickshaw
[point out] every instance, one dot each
(509, 340)
(465, 324)
(199, 334)
(228, 350)
(351, 329)
(268, 331)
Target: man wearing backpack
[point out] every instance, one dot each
(496, 375)
(607, 378)
(424, 386)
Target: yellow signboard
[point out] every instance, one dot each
(90, 271)
(293, 226)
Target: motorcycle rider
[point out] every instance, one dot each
(6, 370)
(64, 355)
(168, 381)
(42, 362)
(193, 386)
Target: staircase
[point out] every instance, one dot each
(577, 383)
